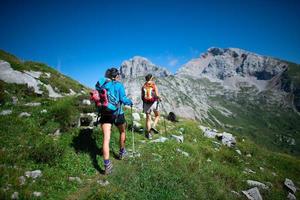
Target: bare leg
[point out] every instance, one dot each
(122, 135)
(106, 128)
(156, 119)
(148, 122)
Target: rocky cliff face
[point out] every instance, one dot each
(217, 74)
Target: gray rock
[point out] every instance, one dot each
(210, 134)
(238, 151)
(57, 133)
(160, 139)
(37, 194)
(33, 174)
(253, 194)
(208, 160)
(249, 155)
(178, 138)
(103, 182)
(77, 179)
(5, 112)
(44, 111)
(86, 102)
(257, 184)
(15, 195)
(291, 196)
(14, 100)
(228, 139)
(136, 117)
(183, 152)
(24, 114)
(33, 104)
(248, 171)
(22, 180)
(290, 185)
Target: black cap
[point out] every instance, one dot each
(148, 77)
(112, 73)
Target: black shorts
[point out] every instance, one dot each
(112, 119)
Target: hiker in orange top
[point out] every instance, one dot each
(151, 101)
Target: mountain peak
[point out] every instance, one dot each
(141, 66)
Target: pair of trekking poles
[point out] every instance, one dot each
(132, 130)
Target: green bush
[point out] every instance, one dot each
(47, 152)
(65, 113)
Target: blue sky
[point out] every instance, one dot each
(83, 38)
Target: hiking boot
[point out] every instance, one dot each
(154, 130)
(108, 168)
(149, 136)
(122, 154)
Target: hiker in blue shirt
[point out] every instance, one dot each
(109, 116)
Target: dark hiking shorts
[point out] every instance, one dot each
(112, 119)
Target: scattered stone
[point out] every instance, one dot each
(290, 185)
(247, 170)
(103, 183)
(57, 133)
(257, 184)
(253, 194)
(249, 155)
(210, 134)
(274, 174)
(15, 195)
(48, 75)
(24, 114)
(160, 139)
(238, 151)
(228, 139)
(291, 196)
(236, 193)
(183, 152)
(86, 102)
(261, 168)
(37, 194)
(178, 138)
(33, 104)
(14, 100)
(22, 180)
(5, 112)
(44, 111)
(208, 160)
(203, 128)
(143, 115)
(33, 174)
(136, 117)
(136, 125)
(77, 179)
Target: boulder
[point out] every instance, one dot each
(33, 174)
(210, 134)
(291, 196)
(15, 195)
(5, 112)
(24, 114)
(160, 139)
(228, 139)
(22, 180)
(178, 138)
(33, 104)
(136, 117)
(257, 184)
(77, 179)
(290, 185)
(253, 194)
(103, 182)
(37, 194)
(86, 102)
(183, 152)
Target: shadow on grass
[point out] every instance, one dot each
(85, 142)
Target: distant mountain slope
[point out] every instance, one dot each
(229, 88)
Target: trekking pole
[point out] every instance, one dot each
(164, 118)
(132, 132)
